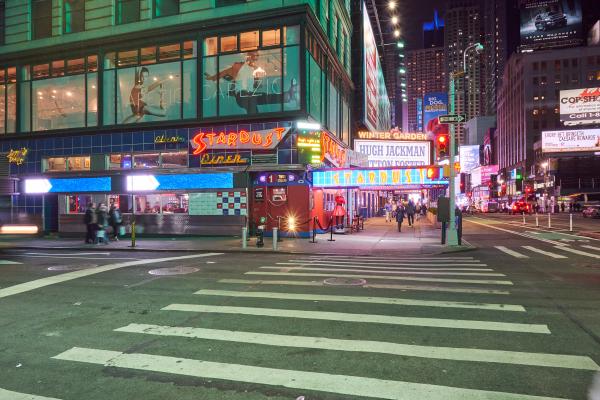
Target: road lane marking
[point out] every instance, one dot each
(513, 232)
(362, 299)
(399, 278)
(392, 259)
(547, 253)
(101, 253)
(83, 258)
(364, 318)
(8, 262)
(388, 268)
(52, 280)
(511, 252)
(384, 271)
(367, 285)
(10, 395)
(591, 247)
(395, 265)
(575, 251)
(368, 346)
(303, 380)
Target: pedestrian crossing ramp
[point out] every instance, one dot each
(294, 291)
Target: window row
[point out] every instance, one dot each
(169, 159)
(174, 203)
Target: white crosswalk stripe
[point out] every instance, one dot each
(9, 262)
(413, 265)
(591, 247)
(546, 253)
(385, 271)
(578, 252)
(383, 266)
(10, 395)
(511, 252)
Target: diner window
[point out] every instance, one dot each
(78, 163)
(73, 16)
(174, 203)
(148, 204)
(56, 164)
(146, 160)
(165, 8)
(127, 11)
(119, 161)
(174, 159)
(41, 19)
(77, 204)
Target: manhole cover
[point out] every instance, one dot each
(71, 267)
(344, 282)
(173, 271)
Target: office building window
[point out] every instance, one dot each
(41, 19)
(73, 16)
(224, 3)
(2, 23)
(164, 8)
(127, 11)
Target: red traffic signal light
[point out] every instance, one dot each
(433, 173)
(442, 145)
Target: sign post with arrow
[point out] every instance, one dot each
(452, 119)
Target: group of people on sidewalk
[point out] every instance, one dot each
(98, 219)
(400, 211)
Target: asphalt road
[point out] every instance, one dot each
(515, 319)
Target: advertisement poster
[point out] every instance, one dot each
(253, 82)
(376, 102)
(469, 158)
(580, 106)
(434, 105)
(550, 21)
(419, 115)
(384, 153)
(583, 140)
(481, 176)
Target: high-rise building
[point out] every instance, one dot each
(463, 28)
(426, 73)
(433, 32)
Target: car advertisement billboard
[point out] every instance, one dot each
(546, 22)
(387, 153)
(580, 106)
(582, 140)
(376, 101)
(469, 158)
(434, 105)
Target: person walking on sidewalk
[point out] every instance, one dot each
(400, 212)
(410, 212)
(91, 222)
(115, 220)
(102, 214)
(388, 212)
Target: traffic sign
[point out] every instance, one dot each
(452, 119)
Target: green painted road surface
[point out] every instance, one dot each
(482, 325)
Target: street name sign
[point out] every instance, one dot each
(452, 119)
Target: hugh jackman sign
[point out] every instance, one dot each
(385, 153)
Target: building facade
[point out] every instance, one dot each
(184, 113)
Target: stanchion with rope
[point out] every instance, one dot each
(331, 239)
(314, 230)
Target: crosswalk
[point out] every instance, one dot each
(270, 304)
(554, 252)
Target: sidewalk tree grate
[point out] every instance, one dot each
(173, 271)
(344, 282)
(74, 267)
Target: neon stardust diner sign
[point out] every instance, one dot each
(332, 150)
(374, 177)
(240, 140)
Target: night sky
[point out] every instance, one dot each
(412, 14)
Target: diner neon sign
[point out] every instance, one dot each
(240, 140)
(333, 151)
(375, 177)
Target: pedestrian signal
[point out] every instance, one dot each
(433, 173)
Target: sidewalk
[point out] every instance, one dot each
(378, 238)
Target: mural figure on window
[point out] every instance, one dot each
(254, 82)
(140, 96)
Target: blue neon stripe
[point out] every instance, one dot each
(80, 185)
(195, 181)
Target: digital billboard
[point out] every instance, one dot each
(549, 22)
(582, 140)
(386, 153)
(469, 158)
(434, 105)
(376, 101)
(580, 106)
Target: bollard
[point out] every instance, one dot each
(331, 239)
(314, 230)
(244, 237)
(570, 222)
(274, 239)
(523, 218)
(133, 234)
(537, 220)
(549, 221)
(279, 239)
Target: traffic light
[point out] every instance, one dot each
(519, 184)
(442, 145)
(433, 173)
(463, 183)
(493, 186)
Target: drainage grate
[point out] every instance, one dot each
(71, 267)
(344, 282)
(173, 271)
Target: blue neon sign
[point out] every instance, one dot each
(374, 177)
(68, 185)
(180, 182)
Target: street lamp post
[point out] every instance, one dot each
(452, 238)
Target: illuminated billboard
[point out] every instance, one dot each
(580, 106)
(582, 140)
(386, 153)
(469, 158)
(545, 23)
(375, 177)
(434, 105)
(377, 115)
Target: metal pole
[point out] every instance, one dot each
(452, 234)
(244, 237)
(274, 239)
(570, 222)
(549, 221)
(537, 221)
(279, 239)
(523, 218)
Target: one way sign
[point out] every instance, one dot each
(452, 119)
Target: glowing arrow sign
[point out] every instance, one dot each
(141, 183)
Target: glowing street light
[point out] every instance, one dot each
(391, 4)
(402, 71)
(400, 45)
(396, 33)
(394, 20)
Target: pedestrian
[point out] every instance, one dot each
(410, 212)
(102, 223)
(562, 206)
(424, 209)
(91, 220)
(115, 218)
(400, 212)
(388, 212)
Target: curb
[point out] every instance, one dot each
(465, 247)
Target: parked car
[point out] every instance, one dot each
(552, 19)
(591, 211)
(490, 207)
